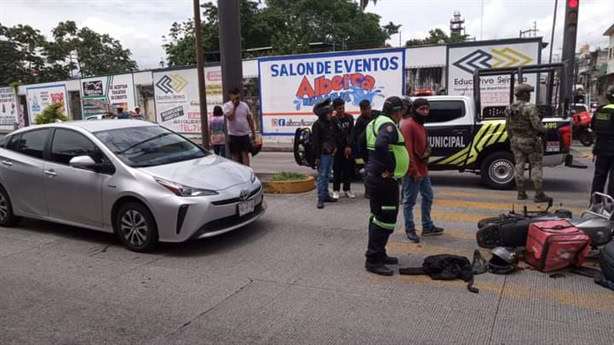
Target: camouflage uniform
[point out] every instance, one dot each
(525, 129)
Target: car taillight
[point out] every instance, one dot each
(565, 132)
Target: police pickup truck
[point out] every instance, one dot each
(463, 142)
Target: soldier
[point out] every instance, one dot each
(603, 126)
(525, 130)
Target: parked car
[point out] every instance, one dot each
(135, 178)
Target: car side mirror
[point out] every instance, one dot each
(83, 162)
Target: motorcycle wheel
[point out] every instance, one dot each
(586, 138)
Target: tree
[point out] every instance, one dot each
(52, 113)
(21, 57)
(436, 36)
(26, 56)
(88, 53)
(392, 29)
(286, 26)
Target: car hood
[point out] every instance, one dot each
(211, 172)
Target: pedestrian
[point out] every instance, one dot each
(388, 161)
(525, 130)
(324, 147)
(366, 115)
(417, 180)
(240, 123)
(603, 151)
(343, 161)
(137, 114)
(121, 114)
(216, 131)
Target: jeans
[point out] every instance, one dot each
(220, 150)
(326, 164)
(343, 171)
(410, 194)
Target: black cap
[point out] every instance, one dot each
(418, 102)
(392, 104)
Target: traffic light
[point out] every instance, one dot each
(571, 15)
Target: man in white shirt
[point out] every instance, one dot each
(240, 123)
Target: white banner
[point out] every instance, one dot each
(39, 97)
(291, 85)
(464, 59)
(99, 94)
(9, 109)
(177, 101)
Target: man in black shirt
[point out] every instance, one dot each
(366, 115)
(343, 166)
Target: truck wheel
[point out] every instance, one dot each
(497, 170)
(586, 138)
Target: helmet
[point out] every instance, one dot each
(323, 107)
(392, 104)
(521, 88)
(609, 94)
(503, 261)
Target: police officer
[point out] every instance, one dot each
(388, 161)
(525, 130)
(603, 126)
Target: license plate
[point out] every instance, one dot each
(246, 207)
(553, 146)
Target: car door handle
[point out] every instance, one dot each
(7, 163)
(50, 173)
(459, 131)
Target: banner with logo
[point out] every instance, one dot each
(9, 114)
(177, 101)
(39, 97)
(465, 58)
(101, 94)
(291, 85)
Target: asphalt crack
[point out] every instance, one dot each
(494, 319)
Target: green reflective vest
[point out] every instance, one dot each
(603, 120)
(401, 157)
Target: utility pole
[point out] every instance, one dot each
(230, 51)
(569, 52)
(200, 70)
(556, 3)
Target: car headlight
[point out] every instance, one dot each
(181, 190)
(252, 177)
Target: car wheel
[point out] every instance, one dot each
(586, 138)
(136, 227)
(7, 217)
(497, 170)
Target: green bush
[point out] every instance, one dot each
(51, 114)
(288, 176)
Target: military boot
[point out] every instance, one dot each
(522, 195)
(378, 268)
(542, 197)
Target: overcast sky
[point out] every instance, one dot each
(140, 24)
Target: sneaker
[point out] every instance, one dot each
(336, 195)
(542, 198)
(434, 231)
(522, 196)
(389, 260)
(320, 204)
(413, 236)
(379, 268)
(349, 194)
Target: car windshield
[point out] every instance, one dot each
(149, 146)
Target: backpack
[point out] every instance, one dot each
(445, 267)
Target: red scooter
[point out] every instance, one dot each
(582, 128)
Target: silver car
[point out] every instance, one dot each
(137, 179)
